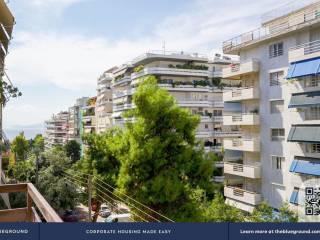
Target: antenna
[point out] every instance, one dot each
(164, 47)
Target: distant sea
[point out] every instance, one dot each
(30, 131)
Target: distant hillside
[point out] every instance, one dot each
(29, 130)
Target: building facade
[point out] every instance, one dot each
(103, 109)
(56, 130)
(277, 110)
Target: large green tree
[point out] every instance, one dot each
(73, 150)
(161, 163)
(100, 162)
(20, 147)
(59, 192)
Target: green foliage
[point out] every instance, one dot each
(20, 147)
(73, 150)
(8, 91)
(23, 171)
(265, 213)
(138, 68)
(218, 211)
(189, 66)
(160, 161)
(38, 144)
(60, 194)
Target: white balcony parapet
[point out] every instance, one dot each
(304, 51)
(216, 149)
(242, 170)
(213, 133)
(241, 144)
(169, 71)
(218, 179)
(267, 31)
(240, 94)
(121, 81)
(234, 71)
(243, 119)
(242, 195)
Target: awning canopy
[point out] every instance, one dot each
(304, 68)
(294, 196)
(306, 99)
(306, 166)
(309, 134)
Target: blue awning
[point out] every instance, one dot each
(306, 99)
(304, 166)
(304, 68)
(294, 196)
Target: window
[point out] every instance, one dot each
(275, 78)
(277, 134)
(277, 162)
(275, 50)
(206, 126)
(276, 106)
(312, 113)
(313, 148)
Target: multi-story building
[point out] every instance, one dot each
(277, 108)
(88, 116)
(75, 120)
(56, 130)
(193, 79)
(104, 102)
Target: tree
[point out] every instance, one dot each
(73, 150)
(218, 211)
(99, 161)
(38, 143)
(60, 193)
(265, 213)
(20, 147)
(162, 165)
(23, 171)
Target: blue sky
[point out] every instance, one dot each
(60, 47)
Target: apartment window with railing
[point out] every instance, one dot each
(276, 78)
(277, 134)
(276, 50)
(313, 148)
(277, 162)
(276, 106)
(312, 113)
(311, 81)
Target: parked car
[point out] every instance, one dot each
(126, 217)
(72, 216)
(104, 211)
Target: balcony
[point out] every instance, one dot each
(242, 170)
(243, 196)
(304, 51)
(28, 213)
(199, 103)
(241, 94)
(235, 71)
(216, 149)
(244, 119)
(240, 144)
(169, 72)
(218, 179)
(211, 119)
(295, 22)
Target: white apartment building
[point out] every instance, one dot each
(88, 116)
(193, 79)
(56, 130)
(103, 109)
(277, 109)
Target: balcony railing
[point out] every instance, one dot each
(304, 51)
(242, 195)
(242, 144)
(268, 31)
(234, 71)
(246, 119)
(245, 93)
(242, 170)
(29, 213)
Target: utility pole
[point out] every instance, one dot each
(89, 198)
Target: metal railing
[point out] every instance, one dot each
(268, 31)
(308, 48)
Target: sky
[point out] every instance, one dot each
(60, 47)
